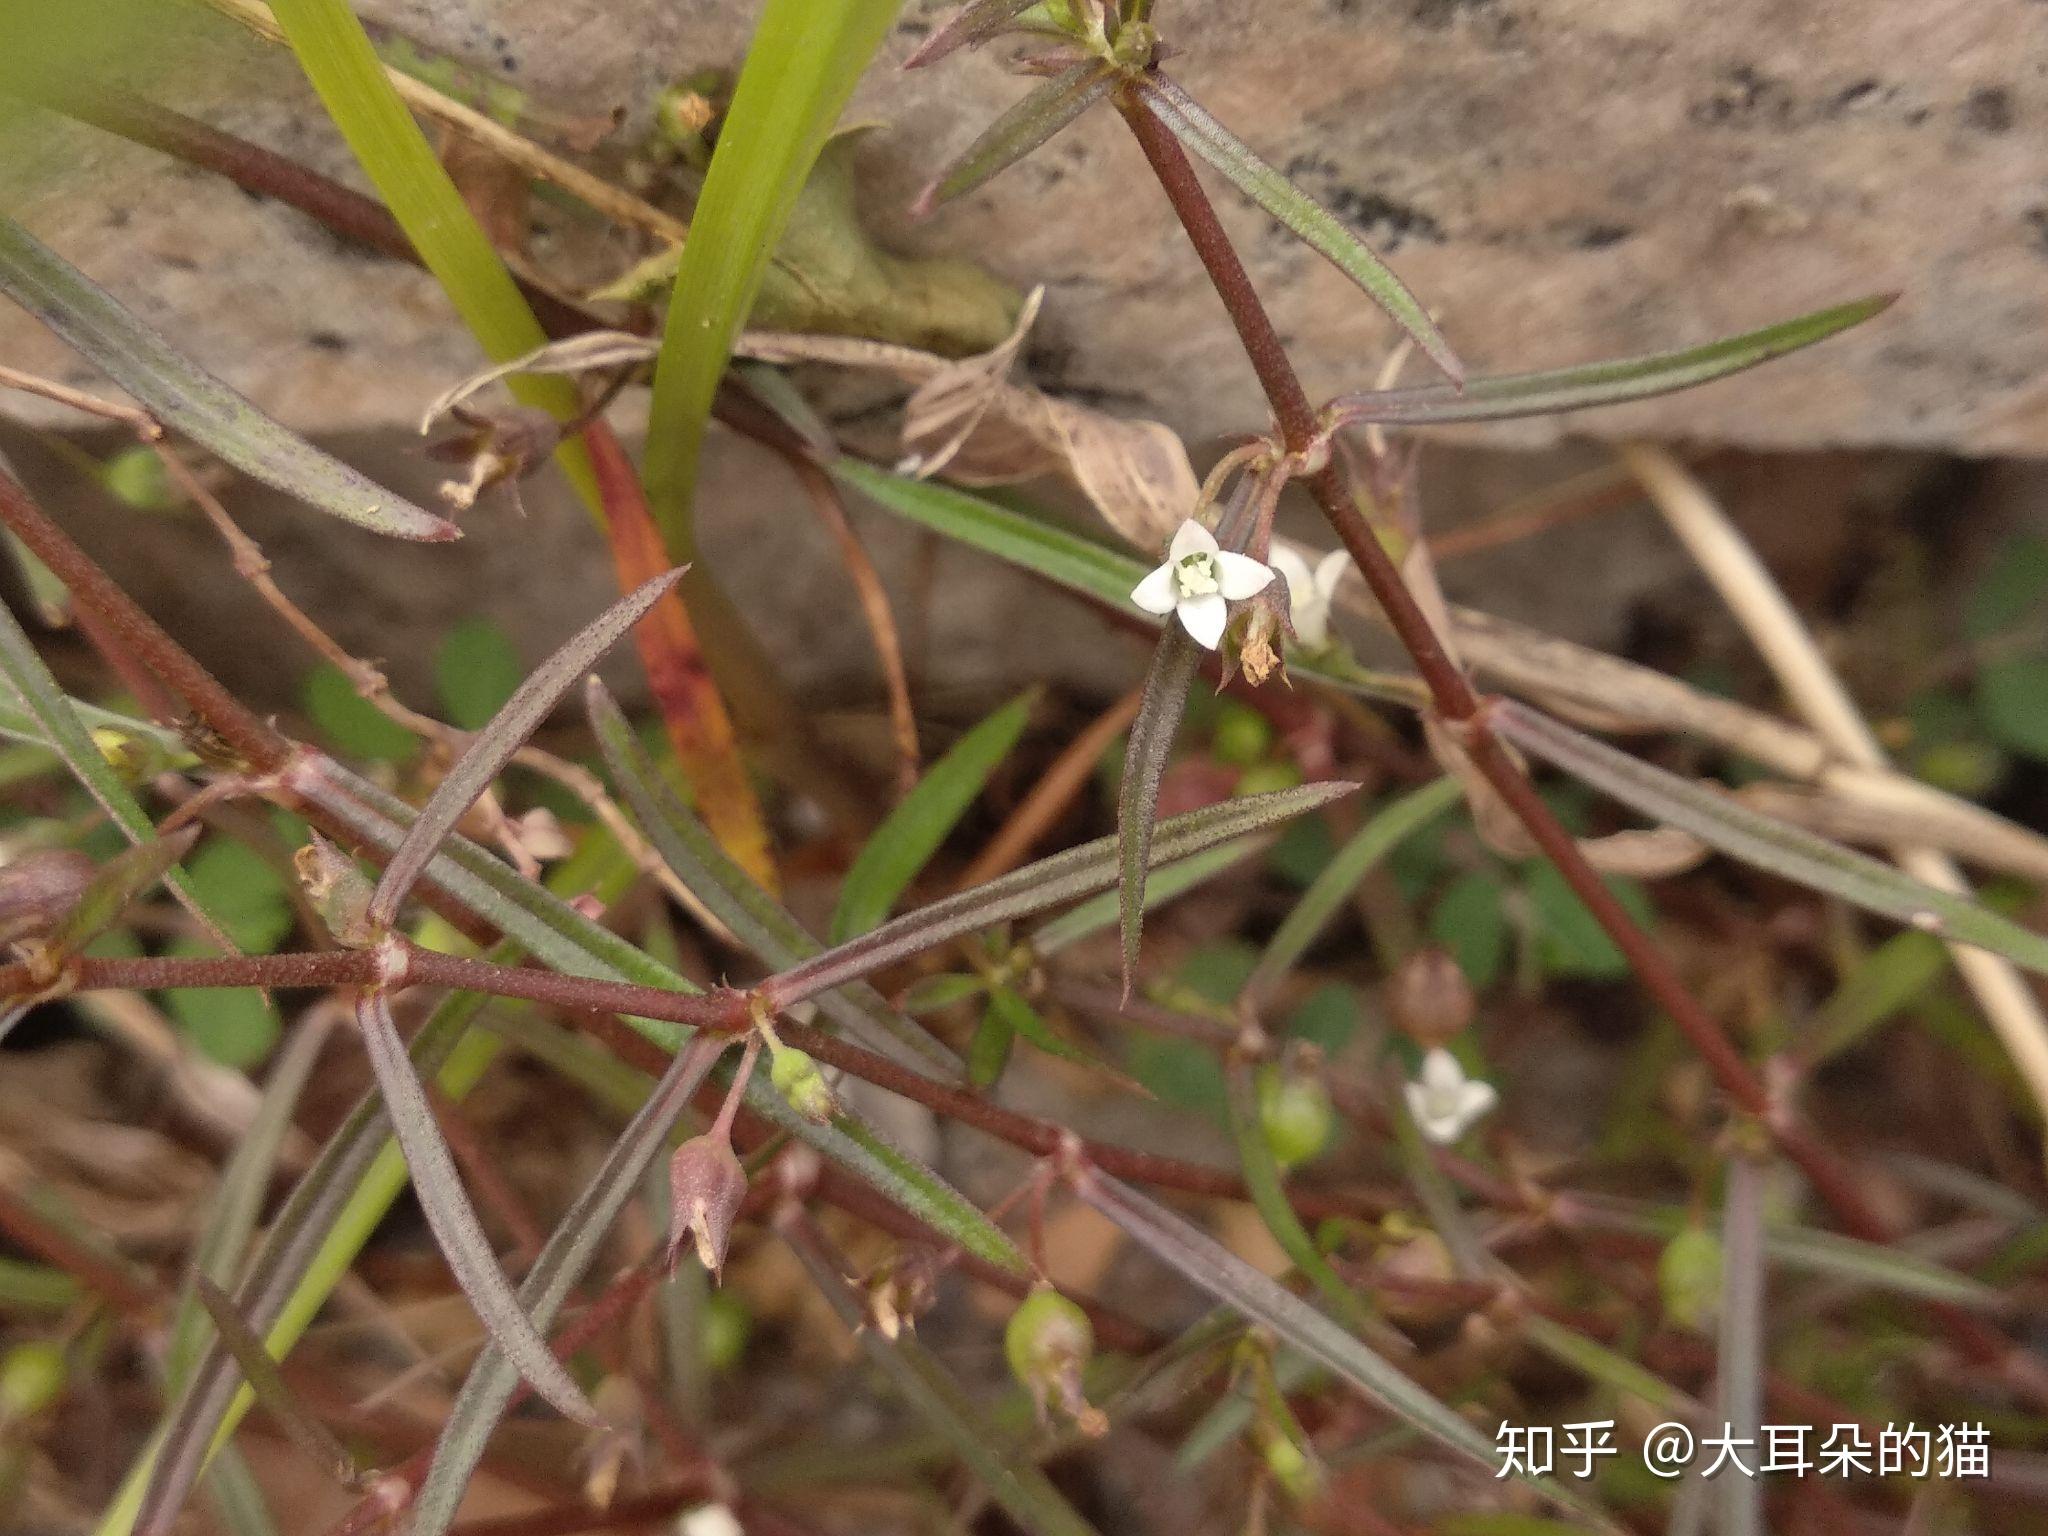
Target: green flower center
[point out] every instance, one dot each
(1197, 575)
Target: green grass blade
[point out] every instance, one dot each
(800, 69)
(904, 843)
(1608, 383)
(338, 59)
(1321, 230)
(1388, 828)
(1726, 824)
(186, 398)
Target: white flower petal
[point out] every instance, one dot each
(1477, 1099)
(1204, 617)
(1442, 1075)
(1157, 593)
(1301, 582)
(1330, 570)
(1190, 538)
(1418, 1105)
(1241, 574)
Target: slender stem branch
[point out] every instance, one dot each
(1452, 694)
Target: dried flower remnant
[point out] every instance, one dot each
(500, 447)
(1048, 1343)
(339, 891)
(1428, 997)
(706, 1185)
(1444, 1101)
(1199, 581)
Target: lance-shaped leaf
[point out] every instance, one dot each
(1594, 384)
(181, 395)
(1792, 853)
(1065, 877)
(969, 27)
(1027, 125)
(116, 883)
(506, 733)
(1230, 1280)
(568, 1253)
(448, 1211)
(268, 1383)
(1314, 224)
(280, 1295)
(1163, 884)
(1137, 798)
(733, 896)
(1013, 1481)
(908, 837)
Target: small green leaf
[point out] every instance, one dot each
(2012, 696)
(930, 994)
(1321, 230)
(1470, 921)
(1027, 1022)
(1049, 107)
(1891, 978)
(187, 399)
(475, 671)
(989, 1052)
(230, 1025)
(1569, 940)
(245, 895)
(1596, 384)
(350, 723)
(1151, 742)
(2010, 590)
(905, 842)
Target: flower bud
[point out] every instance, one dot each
(38, 890)
(137, 478)
(1294, 1112)
(133, 756)
(1048, 1343)
(706, 1185)
(339, 890)
(797, 1078)
(1429, 998)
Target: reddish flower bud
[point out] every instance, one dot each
(1429, 998)
(706, 1185)
(38, 890)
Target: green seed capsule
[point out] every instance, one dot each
(1295, 1115)
(1689, 1277)
(797, 1078)
(32, 1376)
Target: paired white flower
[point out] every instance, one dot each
(1199, 581)
(1444, 1101)
(1311, 591)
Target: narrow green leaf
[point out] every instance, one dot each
(906, 840)
(933, 993)
(1892, 977)
(1387, 829)
(1026, 1021)
(562, 1262)
(1321, 230)
(1014, 1482)
(734, 897)
(349, 78)
(1165, 882)
(494, 745)
(1151, 743)
(1050, 106)
(456, 1229)
(1789, 852)
(1229, 1279)
(969, 26)
(1610, 383)
(186, 398)
(989, 1053)
(1597, 1362)
(1079, 872)
(268, 1383)
(801, 67)
(116, 883)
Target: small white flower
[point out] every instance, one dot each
(1445, 1102)
(1310, 592)
(1199, 581)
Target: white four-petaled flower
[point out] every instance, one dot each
(1199, 581)
(1444, 1101)
(1310, 592)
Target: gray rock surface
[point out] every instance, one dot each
(1560, 180)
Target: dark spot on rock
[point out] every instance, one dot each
(1918, 116)
(1597, 237)
(1988, 109)
(1853, 96)
(117, 218)
(1438, 14)
(1383, 219)
(327, 341)
(179, 263)
(1746, 98)
(2036, 220)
